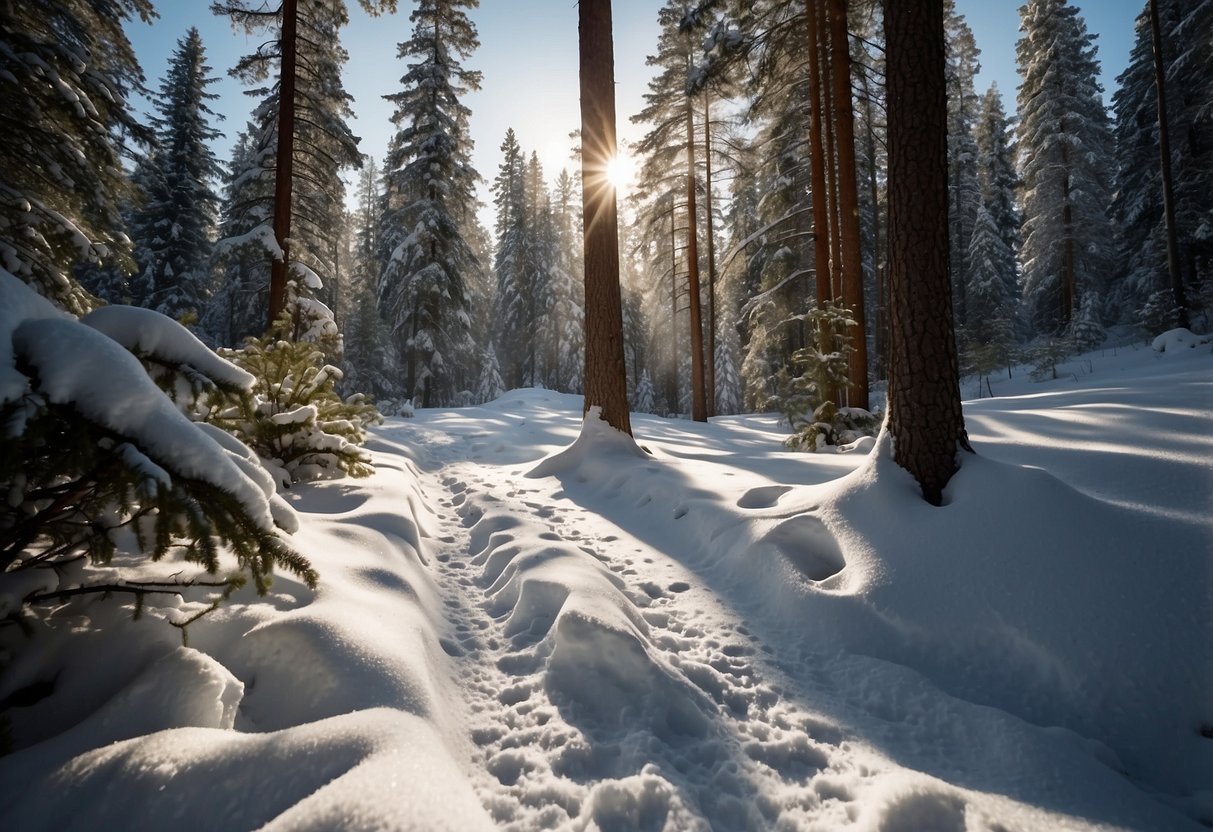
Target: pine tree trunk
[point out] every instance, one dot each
(710, 359)
(1164, 154)
(1067, 258)
(605, 371)
(833, 214)
(283, 172)
(672, 376)
(925, 418)
(817, 177)
(699, 408)
(878, 250)
(848, 204)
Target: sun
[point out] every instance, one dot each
(621, 172)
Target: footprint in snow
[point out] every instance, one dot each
(764, 496)
(808, 546)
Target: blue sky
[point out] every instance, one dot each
(528, 55)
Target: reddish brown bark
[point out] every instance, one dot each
(851, 267)
(925, 418)
(817, 169)
(818, 183)
(284, 162)
(605, 370)
(881, 334)
(833, 214)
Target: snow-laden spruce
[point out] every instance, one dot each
(99, 461)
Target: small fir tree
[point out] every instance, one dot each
(292, 416)
(642, 397)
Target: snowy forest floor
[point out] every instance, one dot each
(715, 633)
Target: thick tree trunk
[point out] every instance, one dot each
(605, 369)
(710, 358)
(925, 418)
(848, 204)
(283, 172)
(699, 407)
(1164, 154)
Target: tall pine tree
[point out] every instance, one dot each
(1065, 153)
(430, 198)
(323, 147)
(1137, 205)
(66, 70)
(993, 287)
(963, 196)
(174, 228)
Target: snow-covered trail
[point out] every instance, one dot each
(676, 714)
(619, 671)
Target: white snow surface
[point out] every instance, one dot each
(524, 623)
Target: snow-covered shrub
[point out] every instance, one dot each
(293, 417)
(98, 460)
(833, 425)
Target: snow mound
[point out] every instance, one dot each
(987, 608)
(599, 444)
(1177, 340)
(643, 801)
(325, 775)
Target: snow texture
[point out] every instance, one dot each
(145, 332)
(529, 621)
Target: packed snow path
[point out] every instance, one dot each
(625, 725)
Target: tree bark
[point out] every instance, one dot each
(828, 73)
(710, 358)
(284, 162)
(605, 369)
(671, 384)
(878, 250)
(1068, 281)
(818, 184)
(925, 418)
(848, 203)
(699, 408)
(1164, 154)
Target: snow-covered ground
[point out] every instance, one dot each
(713, 632)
